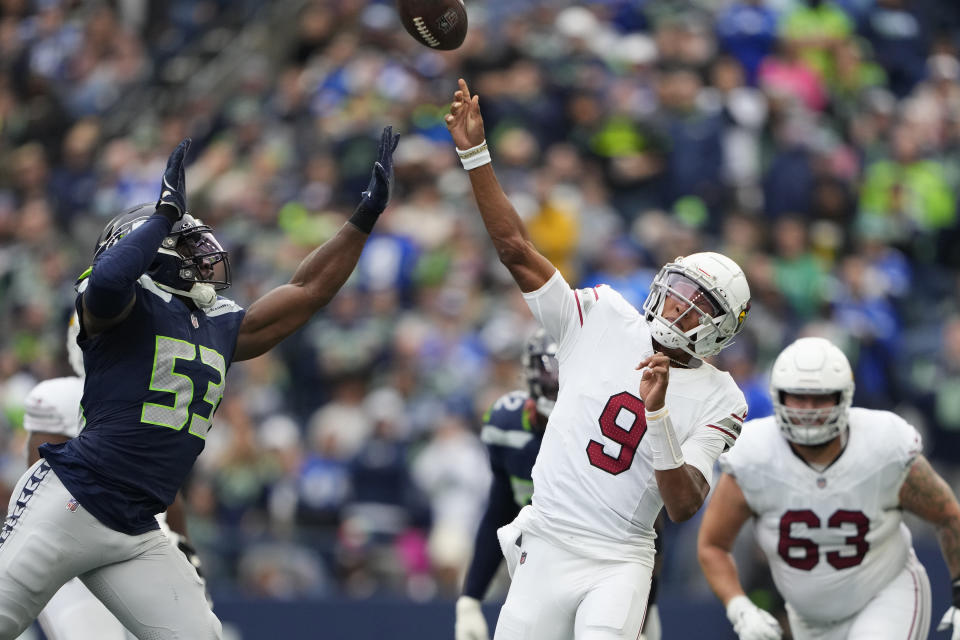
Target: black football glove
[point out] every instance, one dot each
(173, 190)
(374, 200)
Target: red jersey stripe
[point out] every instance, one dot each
(722, 430)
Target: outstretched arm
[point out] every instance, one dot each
(722, 520)
(527, 266)
(928, 495)
(285, 309)
(110, 293)
(724, 517)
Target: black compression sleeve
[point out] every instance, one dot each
(118, 268)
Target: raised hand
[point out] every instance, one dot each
(381, 180)
(464, 120)
(377, 194)
(653, 382)
(173, 190)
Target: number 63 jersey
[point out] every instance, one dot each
(153, 383)
(833, 538)
(595, 491)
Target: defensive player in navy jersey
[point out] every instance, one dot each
(512, 431)
(157, 341)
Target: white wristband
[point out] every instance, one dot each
(663, 441)
(474, 156)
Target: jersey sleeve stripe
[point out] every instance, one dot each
(579, 310)
(596, 295)
(723, 431)
(737, 418)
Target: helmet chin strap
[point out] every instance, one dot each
(202, 293)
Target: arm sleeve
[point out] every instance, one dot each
(111, 281)
(702, 449)
(501, 509)
(561, 310)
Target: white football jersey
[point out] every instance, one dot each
(594, 485)
(835, 537)
(53, 406)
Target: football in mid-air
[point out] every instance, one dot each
(438, 24)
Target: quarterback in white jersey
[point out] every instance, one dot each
(639, 421)
(826, 485)
(52, 414)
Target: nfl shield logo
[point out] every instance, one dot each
(523, 557)
(72, 505)
(821, 483)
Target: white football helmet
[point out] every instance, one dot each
(714, 287)
(74, 354)
(812, 366)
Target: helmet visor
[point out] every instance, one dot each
(202, 255)
(684, 289)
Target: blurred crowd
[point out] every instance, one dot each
(815, 142)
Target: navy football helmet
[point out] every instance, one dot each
(541, 370)
(190, 262)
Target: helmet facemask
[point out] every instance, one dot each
(812, 426)
(701, 340)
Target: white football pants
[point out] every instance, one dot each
(48, 539)
(558, 595)
(74, 613)
(901, 611)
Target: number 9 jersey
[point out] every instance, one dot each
(834, 538)
(153, 383)
(595, 491)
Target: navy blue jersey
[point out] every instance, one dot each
(512, 445)
(153, 383)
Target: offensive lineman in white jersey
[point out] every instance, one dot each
(621, 443)
(826, 485)
(52, 415)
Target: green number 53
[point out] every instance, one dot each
(165, 379)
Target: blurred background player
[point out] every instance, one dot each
(53, 415)
(581, 556)
(512, 431)
(827, 485)
(157, 342)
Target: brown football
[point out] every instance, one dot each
(438, 24)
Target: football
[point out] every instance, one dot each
(438, 24)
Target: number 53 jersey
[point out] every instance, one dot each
(833, 538)
(595, 491)
(153, 383)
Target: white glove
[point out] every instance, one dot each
(950, 619)
(751, 622)
(470, 625)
